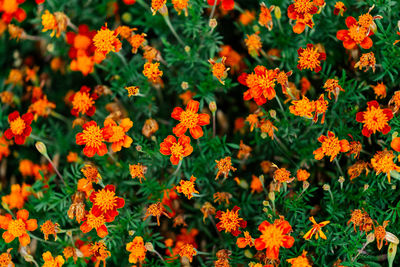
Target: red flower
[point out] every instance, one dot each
(356, 34)
(375, 119)
(19, 127)
(226, 4)
(92, 137)
(39, 1)
(106, 203)
(230, 221)
(83, 102)
(11, 9)
(177, 150)
(81, 42)
(189, 119)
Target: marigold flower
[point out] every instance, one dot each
(273, 236)
(18, 195)
(179, 221)
(6, 259)
(331, 146)
(233, 58)
(283, 80)
(361, 219)
(190, 119)
(41, 107)
(83, 102)
(49, 22)
(91, 173)
(20, 127)
(396, 100)
(106, 41)
(49, 228)
(18, 227)
(180, 5)
(230, 221)
(265, 18)
(137, 41)
(266, 166)
(382, 162)
(252, 119)
(261, 84)
(91, 221)
(281, 175)
(72, 157)
(357, 168)
(380, 234)
(266, 126)
(379, 90)
(374, 119)
(366, 61)
(132, 90)
(106, 203)
(70, 252)
(50, 261)
(302, 175)
(244, 151)
(224, 166)
(302, 11)
(222, 197)
(177, 149)
(395, 144)
(332, 87)
(83, 64)
(156, 209)
(156, 5)
(92, 137)
(219, 69)
(247, 240)
(316, 229)
(150, 127)
(226, 5)
(188, 251)
(116, 134)
(355, 148)
(151, 71)
(137, 171)
(207, 209)
(253, 43)
(77, 208)
(10, 9)
(321, 106)
(187, 187)
(300, 261)
(303, 107)
(137, 250)
(7, 97)
(247, 17)
(100, 252)
(256, 185)
(355, 35)
(310, 58)
(339, 9)
(14, 77)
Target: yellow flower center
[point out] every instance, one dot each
(331, 146)
(189, 118)
(219, 70)
(82, 101)
(303, 6)
(17, 227)
(104, 40)
(17, 126)
(357, 33)
(267, 80)
(309, 58)
(230, 220)
(365, 20)
(10, 6)
(272, 236)
(82, 42)
(93, 136)
(177, 150)
(48, 21)
(105, 199)
(375, 119)
(95, 222)
(118, 134)
(253, 42)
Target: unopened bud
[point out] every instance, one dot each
(271, 196)
(277, 12)
(392, 249)
(370, 238)
(305, 185)
(326, 187)
(184, 85)
(212, 23)
(366, 186)
(131, 232)
(266, 203)
(149, 246)
(212, 106)
(139, 148)
(41, 147)
(391, 238)
(187, 49)
(263, 135)
(248, 254)
(164, 10)
(272, 113)
(126, 17)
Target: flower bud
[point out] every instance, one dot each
(184, 85)
(392, 249)
(149, 246)
(187, 49)
(212, 106)
(391, 238)
(277, 12)
(326, 187)
(271, 196)
(212, 23)
(305, 185)
(41, 147)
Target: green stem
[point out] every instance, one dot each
(168, 22)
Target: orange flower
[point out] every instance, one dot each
(267, 127)
(361, 219)
(91, 173)
(70, 252)
(136, 41)
(374, 119)
(355, 35)
(233, 58)
(207, 209)
(321, 106)
(331, 146)
(106, 203)
(260, 83)
(10, 9)
(100, 252)
(265, 18)
(156, 5)
(6, 259)
(300, 261)
(253, 43)
(316, 229)
(177, 149)
(310, 58)
(302, 108)
(7, 97)
(247, 17)
(395, 144)
(266, 166)
(273, 236)
(340, 8)
(41, 107)
(56, 22)
(116, 134)
(18, 227)
(77, 208)
(305, 85)
(137, 171)
(252, 119)
(222, 197)
(379, 90)
(90, 221)
(302, 175)
(72, 157)
(49, 228)
(20, 127)
(366, 61)
(283, 80)
(226, 5)
(382, 162)
(256, 185)
(14, 77)
(380, 234)
(247, 240)
(83, 64)
(18, 196)
(396, 100)
(150, 127)
(282, 175)
(230, 221)
(224, 166)
(106, 41)
(83, 102)
(156, 209)
(132, 90)
(244, 151)
(190, 119)
(85, 186)
(50, 261)
(137, 250)
(302, 11)
(187, 187)
(92, 137)
(180, 5)
(151, 71)
(219, 69)
(332, 87)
